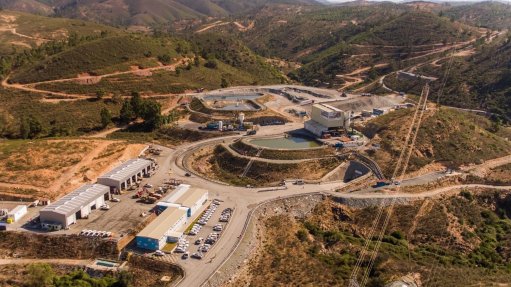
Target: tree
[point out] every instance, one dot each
(40, 275)
(196, 61)
(106, 117)
(100, 94)
(211, 64)
(30, 128)
(136, 103)
(164, 59)
(126, 114)
(116, 99)
(24, 128)
(224, 83)
(151, 113)
(124, 279)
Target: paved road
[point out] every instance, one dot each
(243, 200)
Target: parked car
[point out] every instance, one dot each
(148, 185)
(159, 253)
(197, 255)
(185, 255)
(115, 199)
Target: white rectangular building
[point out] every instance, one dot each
(17, 213)
(75, 205)
(185, 196)
(126, 174)
(167, 227)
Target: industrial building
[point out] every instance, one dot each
(75, 205)
(191, 199)
(326, 118)
(126, 174)
(167, 227)
(16, 213)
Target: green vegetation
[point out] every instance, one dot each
(447, 136)
(488, 14)
(100, 56)
(165, 82)
(141, 13)
(42, 275)
(39, 29)
(415, 29)
(24, 115)
(480, 81)
(458, 241)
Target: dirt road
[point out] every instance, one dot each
(31, 86)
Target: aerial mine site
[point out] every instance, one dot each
(255, 143)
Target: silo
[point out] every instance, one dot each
(241, 118)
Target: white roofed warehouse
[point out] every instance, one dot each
(75, 205)
(167, 227)
(127, 173)
(185, 196)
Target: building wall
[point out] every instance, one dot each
(315, 129)
(70, 220)
(198, 204)
(323, 117)
(17, 214)
(56, 218)
(109, 182)
(148, 243)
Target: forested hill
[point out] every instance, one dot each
(140, 12)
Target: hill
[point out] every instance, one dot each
(29, 6)
(448, 137)
(125, 62)
(140, 12)
(415, 29)
(455, 241)
(479, 80)
(387, 45)
(294, 33)
(23, 31)
(488, 14)
(98, 57)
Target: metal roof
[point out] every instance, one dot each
(162, 224)
(127, 169)
(191, 197)
(176, 193)
(74, 201)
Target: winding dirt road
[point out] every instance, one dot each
(31, 86)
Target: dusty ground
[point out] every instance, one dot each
(55, 167)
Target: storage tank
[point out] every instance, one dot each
(241, 118)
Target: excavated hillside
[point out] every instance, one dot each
(452, 241)
(447, 137)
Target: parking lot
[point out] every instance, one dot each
(202, 238)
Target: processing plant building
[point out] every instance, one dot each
(127, 173)
(75, 205)
(167, 227)
(326, 118)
